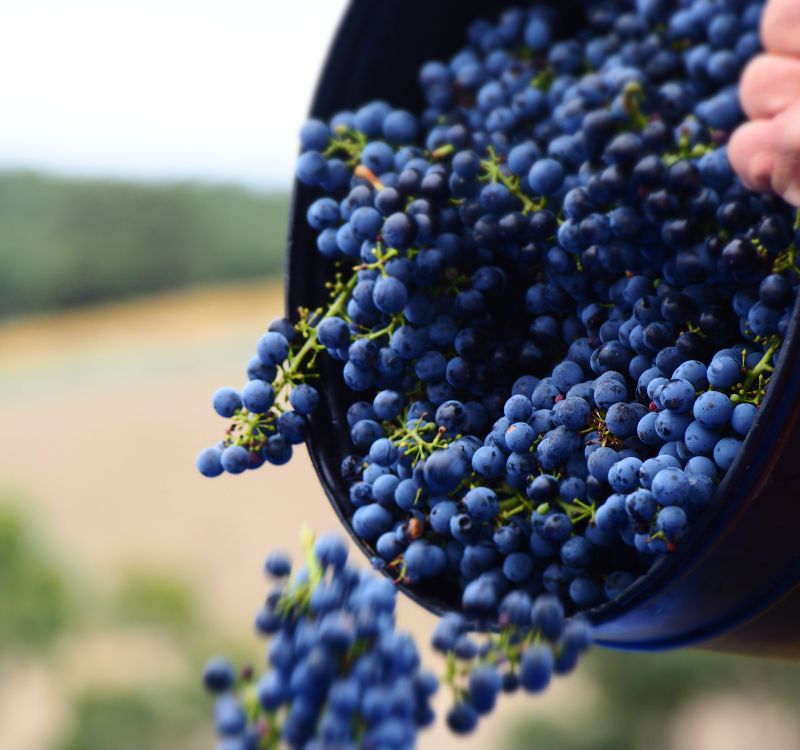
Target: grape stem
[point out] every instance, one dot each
(787, 260)
(756, 377)
(493, 173)
(349, 142)
(450, 676)
(337, 306)
(298, 598)
(632, 97)
(412, 441)
(443, 151)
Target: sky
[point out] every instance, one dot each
(160, 89)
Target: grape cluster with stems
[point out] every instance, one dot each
(340, 676)
(556, 306)
(534, 642)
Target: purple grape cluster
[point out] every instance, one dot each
(556, 307)
(339, 674)
(535, 641)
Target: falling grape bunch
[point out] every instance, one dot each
(557, 310)
(341, 676)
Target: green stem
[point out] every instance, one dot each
(577, 510)
(443, 151)
(450, 676)
(493, 173)
(350, 142)
(297, 599)
(512, 501)
(755, 375)
(337, 306)
(385, 331)
(763, 364)
(632, 97)
(543, 79)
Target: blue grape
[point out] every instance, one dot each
(536, 668)
(378, 156)
(399, 126)
(370, 521)
(304, 399)
(292, 427)
(462, 718)
(671, 521)
(277, 450)
(623, 476)
(272, 348)
(670, 486)
(546, 177)
(278, 565)
(547, 615)
(333, 333)
(641, 505)
(701, 491)
(484, 686)
(488, 461)
(314, 135)
(519, 437)
(609, 392)
(229, 717)
(227, 401)
(678, 396)
(481, 504)
(258, 396)
(713, 409)
(573, 412)
(742, 418)
(311, 167)
(235, 459)
(601, 461)
(623, 419)
(726, 451)
(670, 425)
(700, 439)
(209, 462)
(218, 675)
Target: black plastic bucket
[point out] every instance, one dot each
(734, 584)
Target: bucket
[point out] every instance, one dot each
(734, 583)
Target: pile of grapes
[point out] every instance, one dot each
(556, 307)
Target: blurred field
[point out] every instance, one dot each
(125, 569)
(68, 242)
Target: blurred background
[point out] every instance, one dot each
(146, 154)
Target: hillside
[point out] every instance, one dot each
(66, 242)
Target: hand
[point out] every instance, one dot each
(766, 151)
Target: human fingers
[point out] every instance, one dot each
(785, 167)
(752, 154)
(770, 84)
(780, 27)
